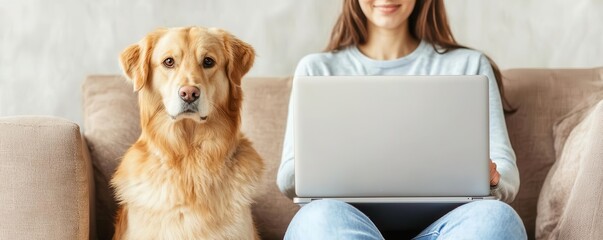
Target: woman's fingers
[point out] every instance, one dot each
(494, 175)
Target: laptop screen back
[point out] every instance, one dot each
(391, 136)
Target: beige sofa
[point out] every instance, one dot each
(47, 166)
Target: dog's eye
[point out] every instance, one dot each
(168, 62)
(208, 62)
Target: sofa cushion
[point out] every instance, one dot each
(45, 178)
(542, 97)
(111, 120)
(571, 142)
(110, 127)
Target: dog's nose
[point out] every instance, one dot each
(189, 93)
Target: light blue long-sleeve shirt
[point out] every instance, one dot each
(422, 61)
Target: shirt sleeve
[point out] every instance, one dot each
(501, 151)
(285, 179)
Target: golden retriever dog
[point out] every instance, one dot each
(191, 174)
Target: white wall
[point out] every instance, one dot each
(48, 47)
(531, 33)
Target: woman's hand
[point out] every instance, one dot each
(494, 175)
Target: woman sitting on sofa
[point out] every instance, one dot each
(407, 37)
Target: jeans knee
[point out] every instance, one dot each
(320, 218)
(497, 209)
(326, 210)
(496, 212)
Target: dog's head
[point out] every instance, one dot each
(188, 73)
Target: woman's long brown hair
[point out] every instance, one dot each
(427, 22)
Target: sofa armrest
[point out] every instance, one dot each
(45, 179)
(583, 215)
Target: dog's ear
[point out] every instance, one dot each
(131, 65)
(240, 59)
(135, 60)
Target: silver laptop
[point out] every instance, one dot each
(392, 145)
(389, 139)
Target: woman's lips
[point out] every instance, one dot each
(387, 8)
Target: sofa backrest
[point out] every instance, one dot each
(264, 118)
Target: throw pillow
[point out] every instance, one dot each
(570, 134)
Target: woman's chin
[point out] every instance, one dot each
(388, 23)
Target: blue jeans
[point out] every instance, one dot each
(330, 219)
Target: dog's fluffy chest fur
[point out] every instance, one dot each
(190, 197)
(167, 187)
